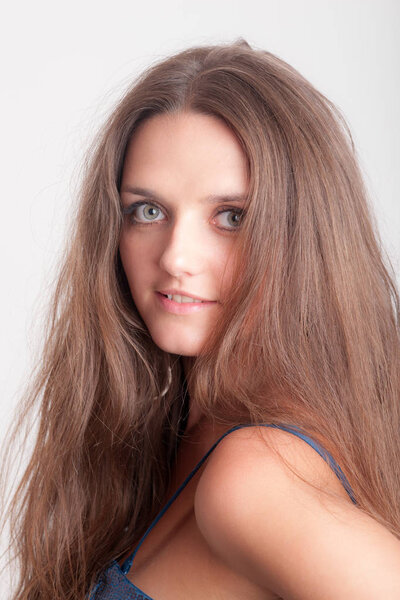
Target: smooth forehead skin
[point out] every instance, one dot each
(188, 144)
(184, 159)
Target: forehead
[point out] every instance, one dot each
(192, 148)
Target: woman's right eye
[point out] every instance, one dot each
(143, 212)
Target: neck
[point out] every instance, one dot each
(194, 411)
(187, 363)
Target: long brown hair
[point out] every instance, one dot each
(310, 334)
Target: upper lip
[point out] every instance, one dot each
(175, 292)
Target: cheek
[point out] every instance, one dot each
(223, 268)
(136, 259)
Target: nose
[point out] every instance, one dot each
(183, 253)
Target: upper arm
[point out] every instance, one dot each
(282, 534)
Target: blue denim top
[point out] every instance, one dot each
(113, 583)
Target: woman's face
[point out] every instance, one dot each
(184, 184)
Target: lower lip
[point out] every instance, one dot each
(184, 308)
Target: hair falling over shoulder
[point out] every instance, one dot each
(311, 330)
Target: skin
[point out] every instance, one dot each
(296, 541)
(182, 240)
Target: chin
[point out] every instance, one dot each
(176, 344)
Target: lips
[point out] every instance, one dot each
(182, 308)
(175, 292)
(181, 299)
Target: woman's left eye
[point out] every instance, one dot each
(230, 218)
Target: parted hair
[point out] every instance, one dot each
(309, 334)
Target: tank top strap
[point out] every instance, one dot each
(292, 429)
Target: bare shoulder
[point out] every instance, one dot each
(280, 532)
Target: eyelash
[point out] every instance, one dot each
(129, 210)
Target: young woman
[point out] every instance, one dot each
(220, 391)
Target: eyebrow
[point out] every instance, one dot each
(213, 199)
